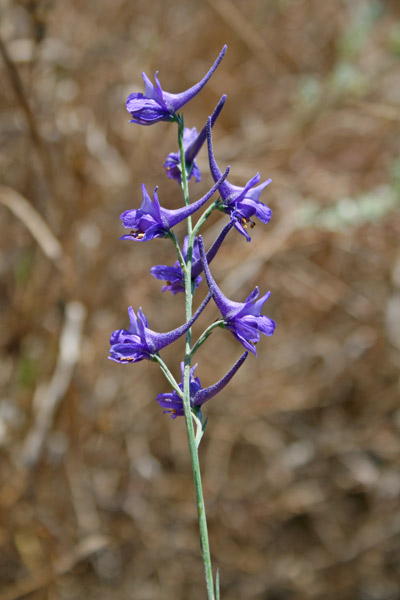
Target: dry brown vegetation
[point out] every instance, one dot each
(301, 452)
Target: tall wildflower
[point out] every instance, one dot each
(152, 220)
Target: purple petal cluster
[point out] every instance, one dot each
(192, 144)
(242, 203)
(243, 319)
(172, 403)
(139, 342)
(174, 277)
(151, 220)
(157, 105)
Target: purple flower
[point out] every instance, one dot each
(243, 319)
(198, 396)
(156, 105)
(151, 220)
(174, 277)
(192, 143)
(242, 203)
(139, 342)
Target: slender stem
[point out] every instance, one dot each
(184, 171)
(178, 251)
(205, 335)
(217, 585)
(201, 511)
(168, 375)
(205, 215)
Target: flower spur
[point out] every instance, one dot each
(151, 220)
(139, 342)
(198, 396)
(241, 203)
(243, 319)
(157, 105)
(192, 144)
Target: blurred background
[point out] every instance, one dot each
(301, 454)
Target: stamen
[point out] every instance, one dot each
(137, 235)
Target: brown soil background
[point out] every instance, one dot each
(301, 453)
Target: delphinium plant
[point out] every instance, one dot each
(239, 206)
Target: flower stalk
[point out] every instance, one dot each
(205, 335)
(153, 220)
(191, 435)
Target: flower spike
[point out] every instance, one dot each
(243, 319)
(174, 277)
(151, 220)
(139, 342)
(192, 143)
(198, 396)
(157, 105)
(241, 203)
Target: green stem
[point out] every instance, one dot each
(217, 585)
(205, 215)
(201, 511)
(168, 375)
(205, 335)
(178, 251)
